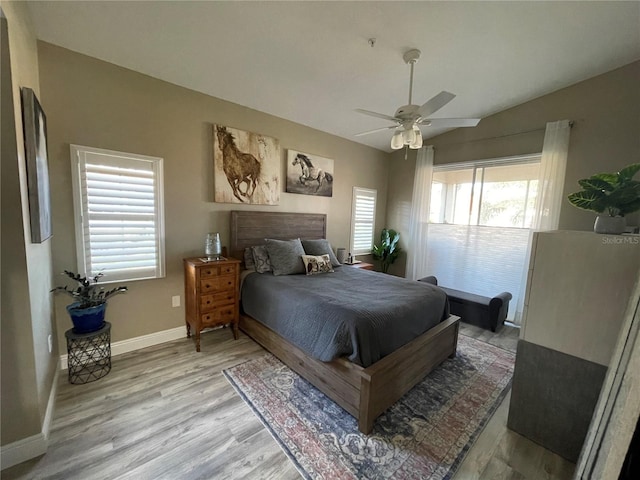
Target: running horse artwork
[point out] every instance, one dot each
(309, 175)
(249, 163)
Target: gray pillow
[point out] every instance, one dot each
(320, 247)
(249, 262)
(261, 259)
(285, 256)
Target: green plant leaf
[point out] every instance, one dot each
(595, 184)
(627, 173)
(630, 207)
(622, 196)
(610, 178)
(588, 200)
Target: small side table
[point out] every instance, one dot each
(362, 265)
(89, 354)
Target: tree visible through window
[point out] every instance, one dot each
(491, 195)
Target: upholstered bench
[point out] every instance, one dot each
(477, 310)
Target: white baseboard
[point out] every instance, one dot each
(35, 445)
(23, 450)
(136, 343)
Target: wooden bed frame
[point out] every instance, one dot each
(363, 392)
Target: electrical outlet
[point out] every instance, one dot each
(50, 343)
(175, 301)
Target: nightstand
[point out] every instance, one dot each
(362, 265)
(211, 295)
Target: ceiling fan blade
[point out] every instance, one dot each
(374, 131)
(435, 104)
(450, 122)
(378, 115)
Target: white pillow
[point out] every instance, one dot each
(315, 264)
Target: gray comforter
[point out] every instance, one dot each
(356, 313)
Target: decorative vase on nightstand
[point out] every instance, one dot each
(212, 246)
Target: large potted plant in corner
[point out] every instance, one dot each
(88, 311)
(388, 250)
(612, 196)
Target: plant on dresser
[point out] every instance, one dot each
(211, 295)
(611, 196)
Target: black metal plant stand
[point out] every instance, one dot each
(89, 354)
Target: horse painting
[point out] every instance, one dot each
(244, 168)
(310, 179)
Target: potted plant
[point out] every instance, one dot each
(612, 196)
(388, 251)
(88, 310)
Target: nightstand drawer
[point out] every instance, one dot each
(217, 270)
(208, 302)
(221, 315)
(215, 284)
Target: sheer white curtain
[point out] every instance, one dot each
(553, 165)
(419, 221)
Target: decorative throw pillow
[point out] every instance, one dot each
(314, 264)
(285, 256)
(261, 259)
(249, 262)
(320, 247)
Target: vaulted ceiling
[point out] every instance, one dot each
(312, 62)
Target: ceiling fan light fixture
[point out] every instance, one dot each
(417, 138)
(397, 141)
(408, 136)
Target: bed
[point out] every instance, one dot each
(363, 391)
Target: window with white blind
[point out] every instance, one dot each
(363, 216)
(118, 204)
(480, 215)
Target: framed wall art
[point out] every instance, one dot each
(246, 167)
(35, 146)
(309, 174)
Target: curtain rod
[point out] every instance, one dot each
(571, 122)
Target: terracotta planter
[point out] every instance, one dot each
(609, 225)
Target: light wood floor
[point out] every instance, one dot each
(166, 412)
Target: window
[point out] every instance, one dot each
(118, 204)
(363, 217)
(480, 215)
(498, 195)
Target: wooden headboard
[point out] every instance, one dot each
(249, 229)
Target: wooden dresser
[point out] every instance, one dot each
(211, 291)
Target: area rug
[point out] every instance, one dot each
(425, 435)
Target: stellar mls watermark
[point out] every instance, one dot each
(621, 240)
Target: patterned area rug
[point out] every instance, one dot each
(425, 435)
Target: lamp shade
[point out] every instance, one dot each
(417, 139)
(408, 136)
(397, 141)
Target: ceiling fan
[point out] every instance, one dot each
(408, 118)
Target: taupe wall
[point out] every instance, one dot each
(604, 138)
(93, 103)
(28, 368)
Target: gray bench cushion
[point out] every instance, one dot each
(485, 312)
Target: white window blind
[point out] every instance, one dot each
(362, 220)
(480, 214)
(118, 202)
